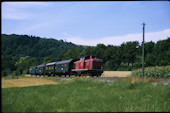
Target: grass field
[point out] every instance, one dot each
(84, 95)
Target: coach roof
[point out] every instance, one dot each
(41, 65)
(52, 63)
(64, 61)
(33, 66)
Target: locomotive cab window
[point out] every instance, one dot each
(81, 58)
(87, 57)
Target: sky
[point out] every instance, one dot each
(88, 23)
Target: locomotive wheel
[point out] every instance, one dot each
(90, 74)
(98, 74)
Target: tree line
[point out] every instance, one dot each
(127, 56)
(19, 52)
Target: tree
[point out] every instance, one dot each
(86, 51)
(21, 64)
(112, 57)
(99, 51)
(129, 51)
(72, 53)
(148, 47)
(161, 51)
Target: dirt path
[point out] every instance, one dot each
(116, 73)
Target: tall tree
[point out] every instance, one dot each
(129, 51)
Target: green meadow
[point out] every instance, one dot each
(84, 95)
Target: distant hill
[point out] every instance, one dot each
(24, 45)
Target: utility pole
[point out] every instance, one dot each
(143, 50)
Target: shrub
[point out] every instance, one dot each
(5, 72)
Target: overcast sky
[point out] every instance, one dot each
(88, 23)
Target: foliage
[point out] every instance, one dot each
(156, 71)
(88, 96)
(19, 52)
(129, 51)
(127, 56)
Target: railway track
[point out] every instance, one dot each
(108, 79)
(165, 81)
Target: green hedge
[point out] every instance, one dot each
(156, 72)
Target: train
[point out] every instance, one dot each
(87, 65)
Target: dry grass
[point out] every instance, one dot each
(116, 73)
(137, 79)
(22, 82)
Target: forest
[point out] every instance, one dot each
(19, 52)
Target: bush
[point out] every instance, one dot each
(5, 72)
(156, 72)
(26, 71)
(14, 73)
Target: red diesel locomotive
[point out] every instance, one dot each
(88, 65)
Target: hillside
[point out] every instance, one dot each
(25, 45)
(14, 47)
